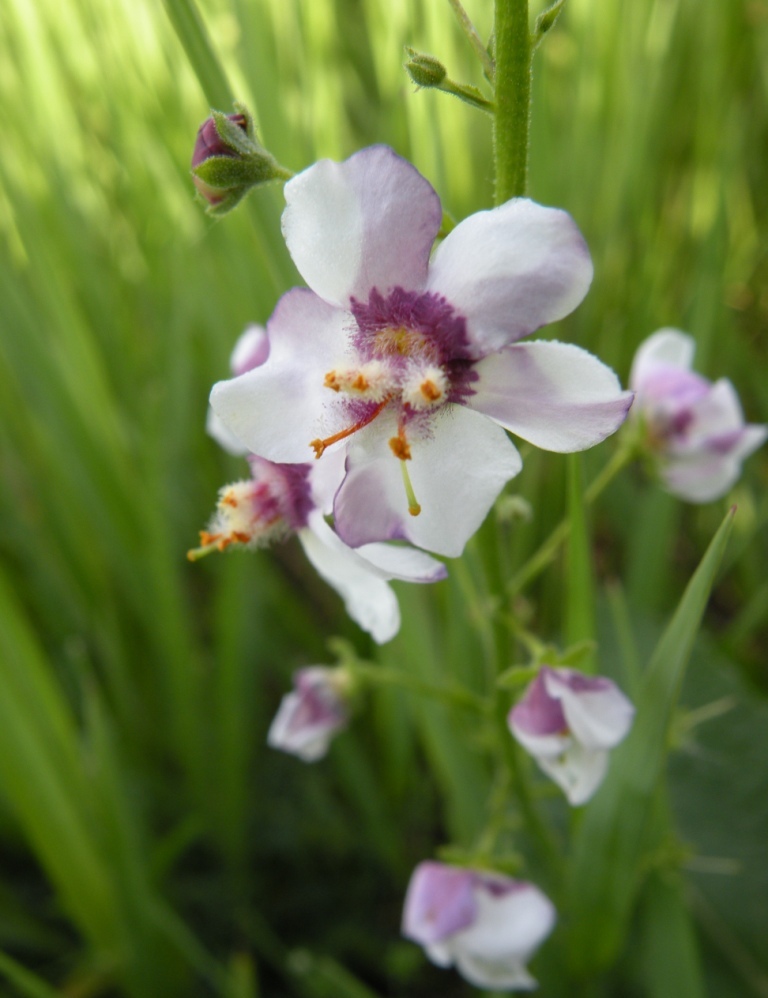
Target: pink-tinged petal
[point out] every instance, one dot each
(598, 714)
(251, 350)
(706, 475)
(511, 270)
(537, 721)
(400, 561)
(439, 902)
(457, 470)
(665, 348)
(277, 409)
(310, 716)
(368, 599)
(325, 478)
(368, 222)
(555, 395)
(578, 771)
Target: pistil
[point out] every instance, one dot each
(413, 505)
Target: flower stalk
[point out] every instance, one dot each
(514, 50)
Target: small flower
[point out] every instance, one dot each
(694, 430)
(487, 924)
(411, 366)
(312, 714)
(569, 722)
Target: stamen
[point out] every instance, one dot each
(413, 506)
(400, 446)
(332, 381)
(318, 446)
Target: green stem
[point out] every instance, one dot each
(474, 39)
(513, 98)
(544, 555)
(454, 696)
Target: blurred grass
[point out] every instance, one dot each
(162, 846)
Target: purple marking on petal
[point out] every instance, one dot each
(440, 902)
(538, 713)
(577, 682)
(281, 491)
(319, 701)
(498, 886)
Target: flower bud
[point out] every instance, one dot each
(425, 70)
(227, 160)
(312, 714)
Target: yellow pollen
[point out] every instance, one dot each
(332, 381)
(361, 383)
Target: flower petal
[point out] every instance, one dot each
(368, 222)
(598, 714)
(555, 395)
(578, 771)
(457, 471)
(440, 901)
(368, 599)
(664, 348)
(511, 270)
(275, 410)
(399, 561)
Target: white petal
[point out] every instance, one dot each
(511, 270)
(400, 561)
(598, 717)
(578, 772)
(555, 395)
(223, 436)
(309, 742)
(666, 348)
(277, 409)
(368, 599)
(457, 471)
(367, 222)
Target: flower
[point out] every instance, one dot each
(694, 430)
(411, 367)
(487, 924)
(312, 714)
(284, 499)
(568, 722)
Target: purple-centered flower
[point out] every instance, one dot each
(411, 366)
(485, 924)
(312, 714)
(694, 430)
(281, 499)
(569, 722)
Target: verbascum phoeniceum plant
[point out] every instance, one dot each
(376, 414)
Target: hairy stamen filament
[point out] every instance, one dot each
(318, 446)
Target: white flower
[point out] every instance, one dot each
(569, 722)
(411, 366)
(312, 714)
(487, 924)
(694, 430)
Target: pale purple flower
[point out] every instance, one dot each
(283, 499)
(410, 366)
(312, 714)
(569, 722)
(694, 429)
(250, 351)
(486, 924)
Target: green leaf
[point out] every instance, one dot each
(610, 843)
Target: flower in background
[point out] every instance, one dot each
(312, 714)
(283, 499)
(569, 722)
(487, 924)
(410, 367)
(694, 430)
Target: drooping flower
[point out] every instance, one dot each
(411, 367)
(487, 924)
(693, 430)
(283, 499)
(312, 714)
(569, 722)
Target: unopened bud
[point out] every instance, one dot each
(425, 70)
(227, 160)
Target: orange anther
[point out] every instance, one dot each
(430, 391)
(332, 381)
